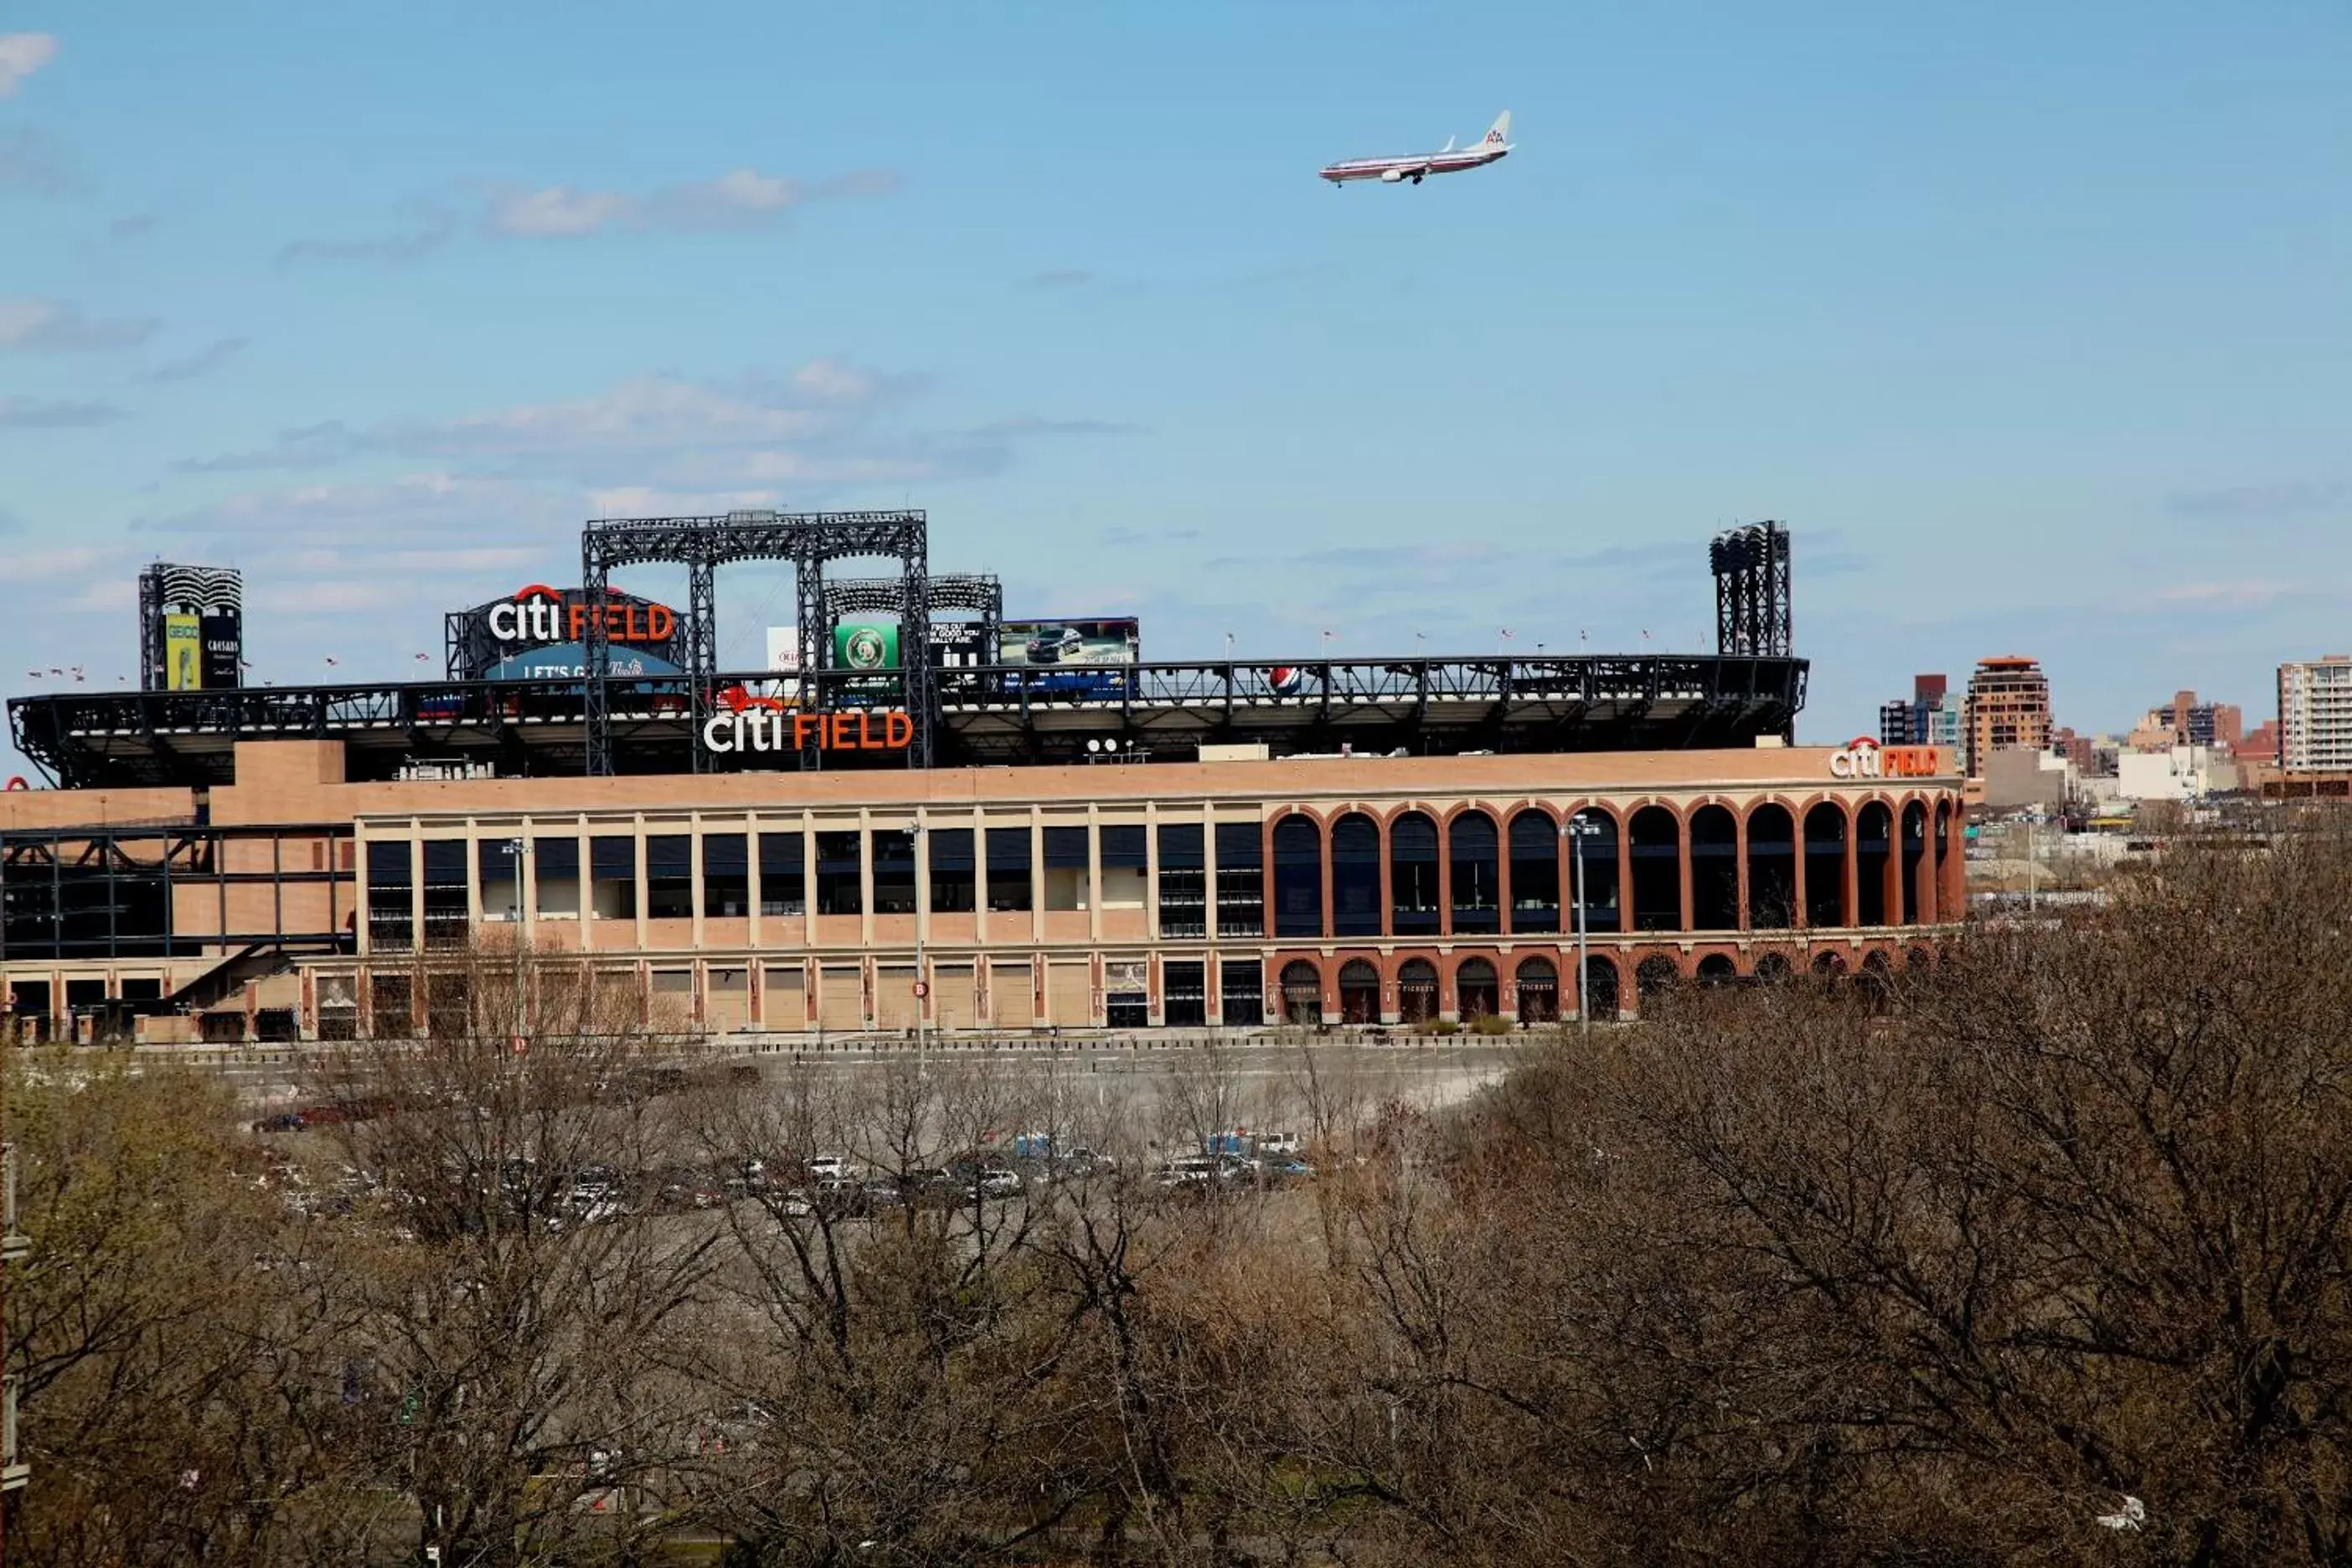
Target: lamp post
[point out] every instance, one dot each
(516, 848)
(922, 977)
(1577, 829)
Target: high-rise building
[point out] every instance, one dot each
(1928, 719)
(2007, 707)
(2315, 719)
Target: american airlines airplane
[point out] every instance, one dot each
(1448, 160)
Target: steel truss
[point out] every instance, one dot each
(998, 712)
(1753, 618)
(703, 544)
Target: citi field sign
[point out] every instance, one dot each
(539, 614)
(755, 724)
(1864, 758)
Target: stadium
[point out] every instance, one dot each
(1025, 826)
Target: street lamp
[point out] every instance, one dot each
(1577, 829)
(922, 918)
(516, 848)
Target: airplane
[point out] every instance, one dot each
(1446, 160)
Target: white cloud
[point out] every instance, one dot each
(120, 592)
(52, 326)
(2234, 595)
(558, 211)
(204, 360)
(736, 199)
(46, 565)
(47, 414)
(22, 54)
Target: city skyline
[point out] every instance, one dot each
(2019, 325)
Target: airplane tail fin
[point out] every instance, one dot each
(1499, 133)
(1449, 145)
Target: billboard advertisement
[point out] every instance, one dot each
(1087, 657)
(191, 628)
(536, 616)
(1062, 643)
(865, 644)
(184, 653)
(224, 640)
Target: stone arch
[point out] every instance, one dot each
(1477, 991)
(1873, 850)
(1772, 866)
(1359, 992)
(1475, 870)
(1531, 843)
(1356, 876)
(1656, 975)
(1298, 876)
(1417, 991)
(1603, 908)
(1301, 987)
(1829, 964)
(1714, 839)
(1537, 980)
(1828, 827)
(1717, 969)
(1603, 988)
(1773, 969)
(1916, 850)
(1657, 841)
(1413, 881)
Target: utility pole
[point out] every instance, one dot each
(922, 977)
(1577, 829)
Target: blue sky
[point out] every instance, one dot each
(2033, 321)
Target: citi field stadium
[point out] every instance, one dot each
(930, 816)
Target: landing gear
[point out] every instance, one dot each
(1416, 179)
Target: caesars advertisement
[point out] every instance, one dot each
(202, 653)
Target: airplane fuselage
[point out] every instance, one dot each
(1395, 170)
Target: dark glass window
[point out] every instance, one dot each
(783, 874)
(1123, 846)
(1355, 876)
(445, 891)
(498, 862)
(1297, 876)
(1184, 890)
(950, 849)
(1242, 985)
(839, 883)
(1065, 849)
(1009, 888)
(391, 875)
(1477, 877)
(1187, 1006)
(1412, 874)
(1241, 879)
(613, 876)
(1534, 873)
(726, 876)
(894, 872)
(669, 876)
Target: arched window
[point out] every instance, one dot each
(1715, 969)
(1302, 992)
(1534, 873)
(1538, 987)
(1656, 975)
(1474, 989)
(1592, 838)
(1914, 851)
(1477, 874)
(1773, 969)
(1825, 865)
(1874, 834)
(1359, 990)
(1657, 869)
(1943, 860)
(1714, 870)
(1601, 988)
(1356, 876)
(1829, 964)
(1919, 960)
(1412, 876)
(1417, 991)
(1297, 876)
(1771, 867)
